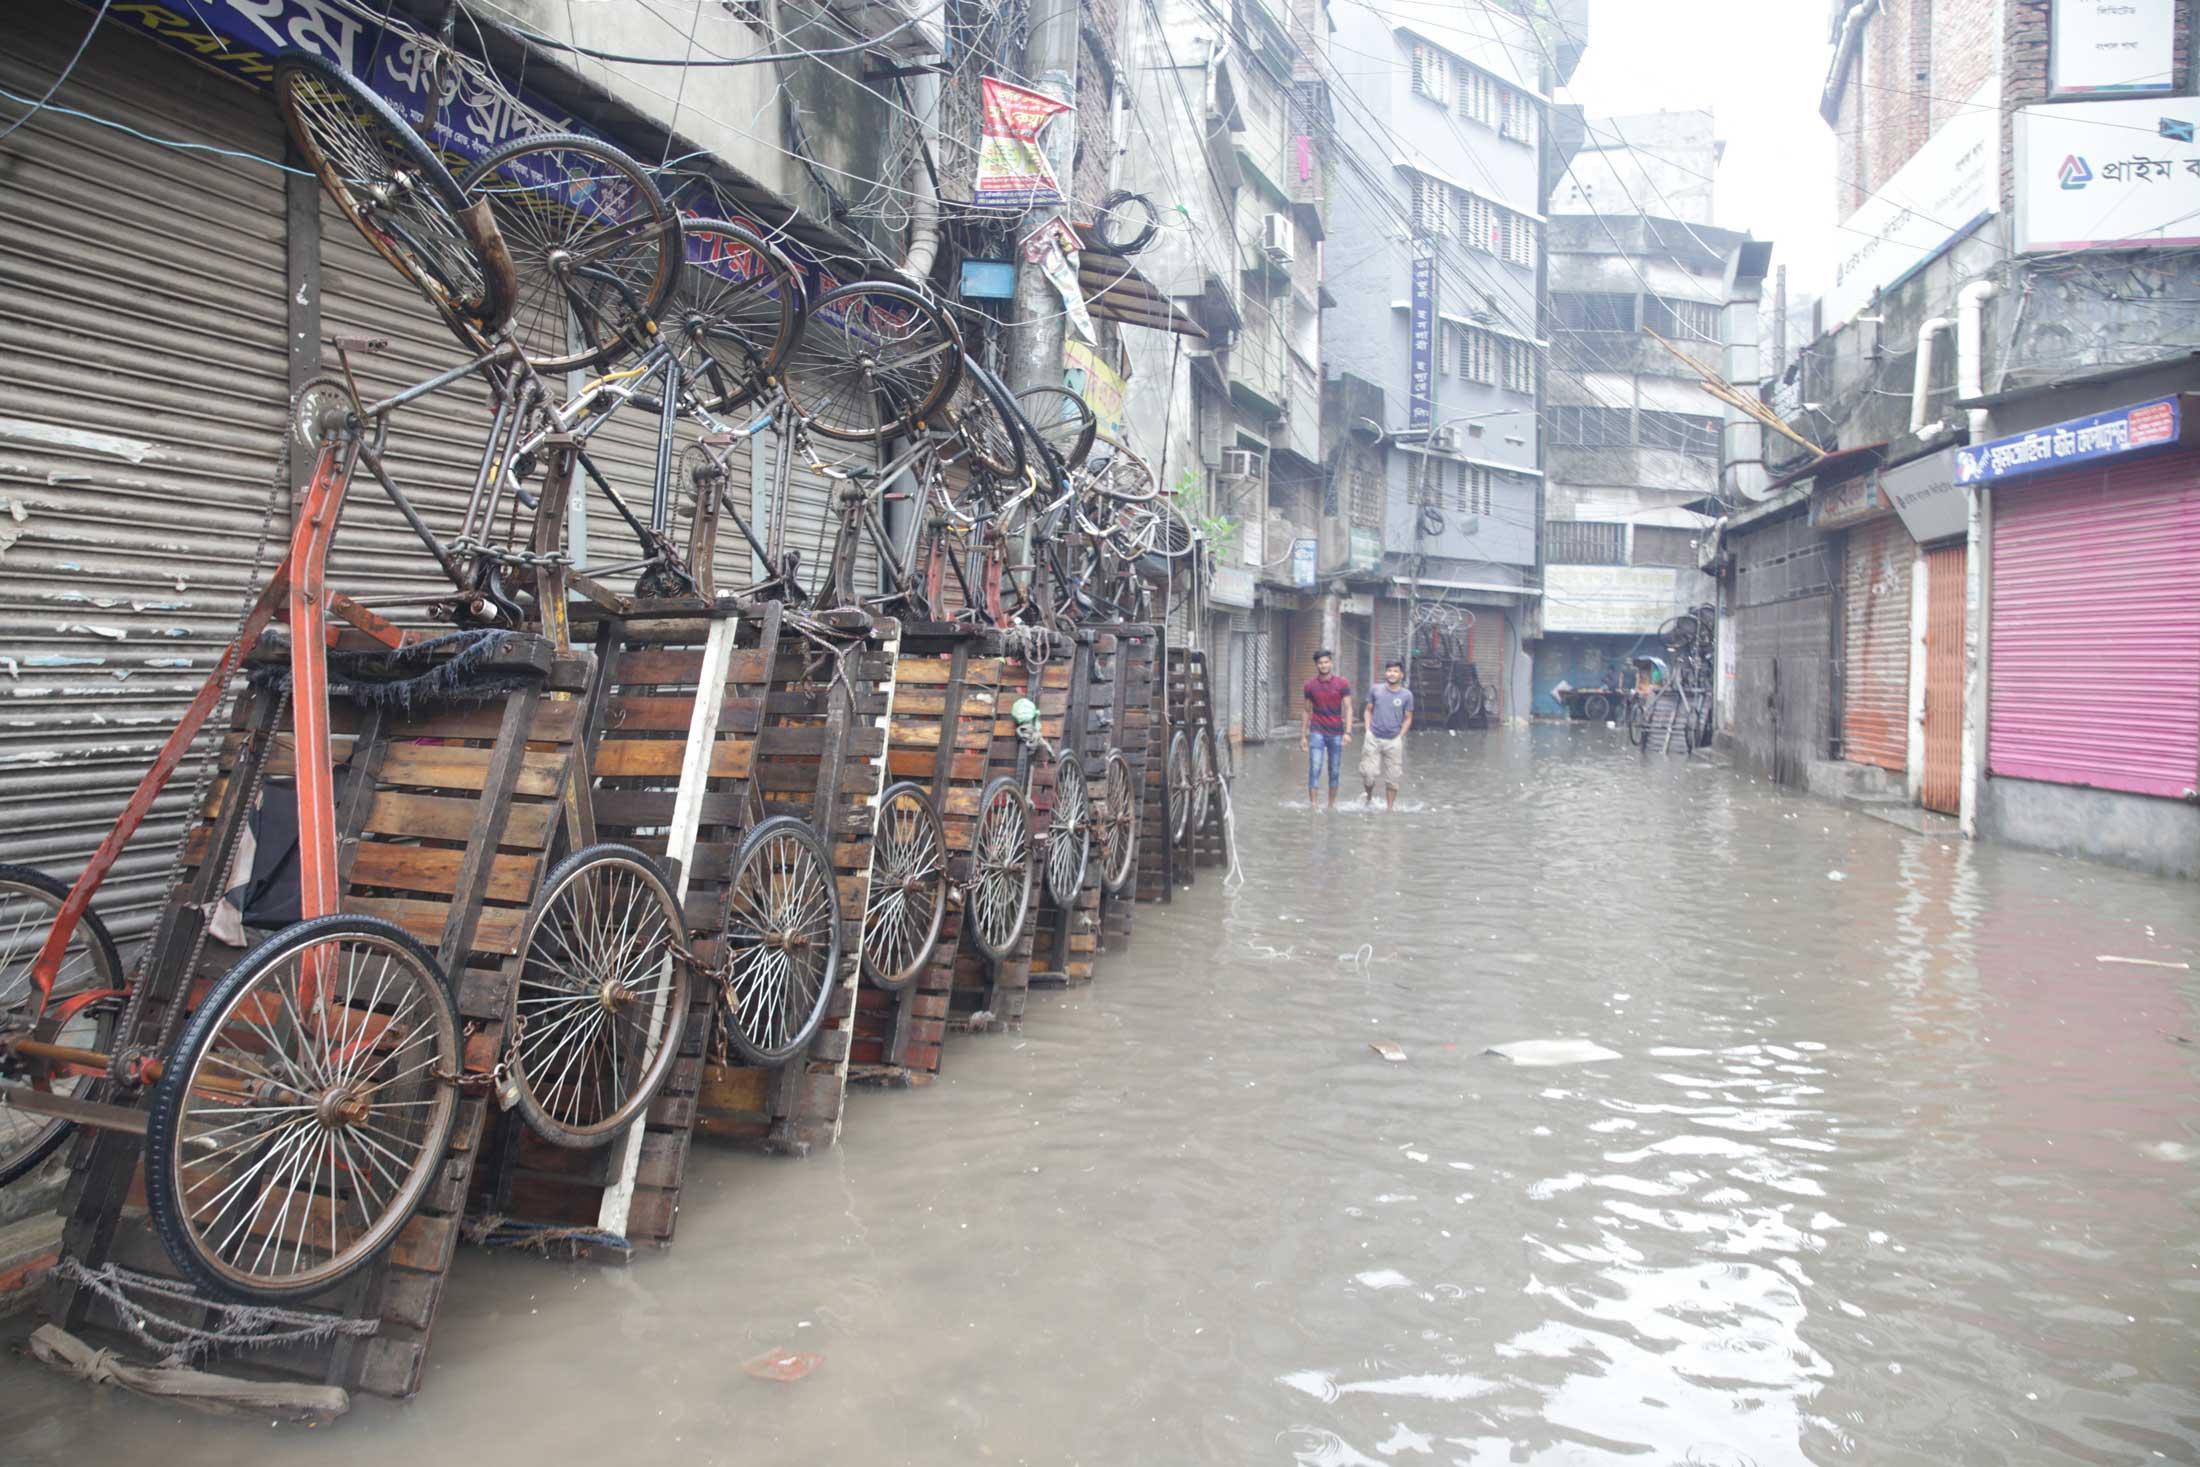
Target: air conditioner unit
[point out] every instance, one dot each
(1444, 440)
(1483, 316)
(1241, 463)
(1276, 238)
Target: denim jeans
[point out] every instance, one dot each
(1316, 743)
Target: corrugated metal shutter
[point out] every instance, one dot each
(1487, 642)
(143, 387)
(2095, 654)
(1944, 618)
(1875, 689)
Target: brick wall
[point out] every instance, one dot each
(2024, 79)
(1917, 67)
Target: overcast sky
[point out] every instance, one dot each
(1758, 65)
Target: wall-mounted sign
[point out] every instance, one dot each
(1233, 586)
(1848, 501)
(1421, 397)
(1365, 550)
(1303, 552)
(1013, 171)
(2108, 175)
(1936, 198)
(988, 280)
(1924, 492)
(1100, 385)
(2100, 48)
(2081, 440)
(1360, 603)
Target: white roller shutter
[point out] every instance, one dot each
(143, 386)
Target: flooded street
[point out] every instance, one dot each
(1889, 1169)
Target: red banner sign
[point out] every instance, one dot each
(1013, 172)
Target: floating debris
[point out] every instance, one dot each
(1389, 1052)
(2144, 963)
(1552, 1052)
(782, 1365)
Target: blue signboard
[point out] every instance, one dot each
(1421, 399)
(244, 38)
(2081, 440)
(988, 280)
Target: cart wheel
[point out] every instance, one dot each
(304, 1110)
(998, 897)
(1119, 835)
(1069, 831)
(602, 999)
(1203, 778)
(782, 940)
(1596, 708)
(901, 921)
(1180, 787)
(29, 902)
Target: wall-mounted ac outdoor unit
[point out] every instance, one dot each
(1444, 440)
(1277, 238)
(1241, 463)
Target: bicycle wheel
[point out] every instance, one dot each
(1069, 831)
(1060, 419)
(1119, 833)
(304, 1111)
(874, 359)
(997, 898)
(602, 997)
(29, 902)
(735, 313)
(1118, 473)
(1596, 708)
(595, 245)
(782, 940)
(1180, 787)
(986, 421)
(908, 901)
(389, 183)
(1203, 778)
(1636, 724)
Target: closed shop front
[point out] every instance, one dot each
(1875, 640)
(1945, 571)
(2095, 653)
(143, 392)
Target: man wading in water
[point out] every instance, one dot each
(1328, 725)
(1389, 720)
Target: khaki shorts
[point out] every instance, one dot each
(1383, 759)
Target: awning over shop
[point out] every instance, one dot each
(1115, 291)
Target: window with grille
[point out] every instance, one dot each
(1481, 357)
(1472, 89)
(1367, 497)
(1425, 479)
(1428, 73)
(1520, 241)
(1589, 427)
(1516, 116)
(1471, 486)
(1584, 542)
(1519, 360)
(1431, 207)
(1578, 310)
(1447, 349)
(1476, 218)
(1681, 321)
(1683, 432)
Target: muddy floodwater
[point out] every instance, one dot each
(1889, 1168)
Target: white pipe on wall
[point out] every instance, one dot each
(1922, 379)
(1971, 349)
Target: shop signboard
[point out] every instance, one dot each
(2099, 48)
(2108, 175)
(1100, 385)
(2081, 440)
(1924, 492)
(1302, 562)
(1365, 550)
(1849, 501)
(1943, 192)
(1420, 400)
(1233, 586)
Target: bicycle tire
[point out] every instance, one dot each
(737, 301)
(1122, 475)
(594, 243)
(395, 190)
(576, 975)
(1119, 846)
(190, 1087)
(1596, 708)
(1179, 774)
(1204, 776)
(782, 875)
(1061, 420)
(985, 418)
(997, 897)
(874, 360)
(908, 861)
(1069, 831)
(23, 1148)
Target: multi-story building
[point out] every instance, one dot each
(1226, 134)
(1434, 352)
(1638, 288)
(1980, 601)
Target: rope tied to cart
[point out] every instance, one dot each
(240, 1326)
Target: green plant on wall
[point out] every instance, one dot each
(1194, 502)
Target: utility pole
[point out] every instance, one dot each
(1036, 331)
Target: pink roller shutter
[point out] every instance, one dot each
(2095, 656)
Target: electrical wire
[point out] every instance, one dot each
(66, 72)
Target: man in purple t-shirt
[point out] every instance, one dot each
(1328, 725)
